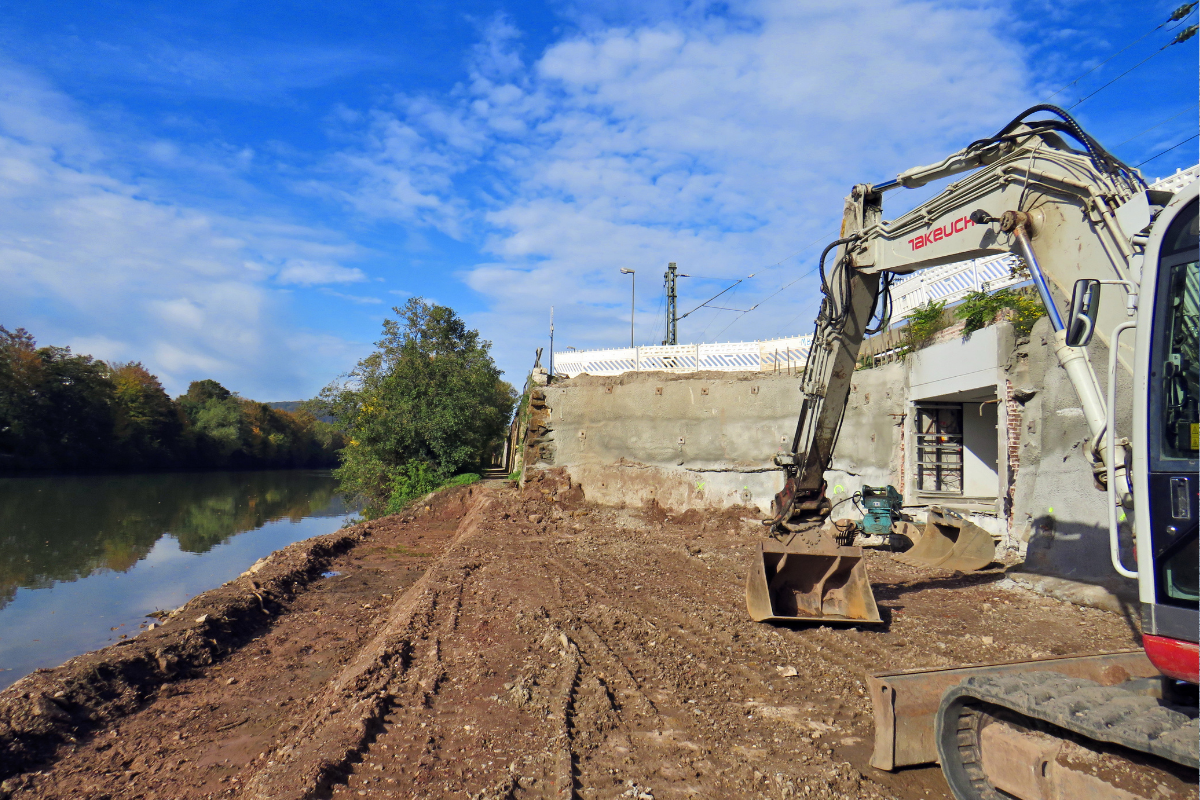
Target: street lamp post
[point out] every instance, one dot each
(632, 298)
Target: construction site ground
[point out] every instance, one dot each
(497, 642)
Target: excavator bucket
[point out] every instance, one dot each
(824, 584)
(950, 542)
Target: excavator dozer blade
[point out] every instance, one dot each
(950, 542)
(823, 584)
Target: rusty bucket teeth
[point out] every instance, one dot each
(822, 584)
(950, 542)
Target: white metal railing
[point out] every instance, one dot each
(765, 356)
(952, 282)
(1181, 178)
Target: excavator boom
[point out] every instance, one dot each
(1030, 193)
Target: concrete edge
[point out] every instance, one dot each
(1116, 599)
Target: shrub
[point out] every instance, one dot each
(924, 322)
(980, 309)
(417, 479)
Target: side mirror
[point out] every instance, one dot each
(1085, 304)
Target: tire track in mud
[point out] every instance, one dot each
(550, 650)
(390, 766)
(627, 690)
(352, 707)
(646, 653)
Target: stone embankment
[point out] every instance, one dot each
(504, 643)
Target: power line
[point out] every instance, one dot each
(718, 294)
(1152, 127)
(780, 289)
(1169, 149)
(760, 269)
(1182, 37)
(768, 297)
(1180, 13)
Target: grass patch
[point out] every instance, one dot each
(416, 479)
(401, 550)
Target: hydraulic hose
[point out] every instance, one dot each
(1105, 161)
(821, 260)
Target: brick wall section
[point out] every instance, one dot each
(1013, 414)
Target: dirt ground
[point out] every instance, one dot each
(505, 643)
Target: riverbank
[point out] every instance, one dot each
(85, 559)
(505, 644)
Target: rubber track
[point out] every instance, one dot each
(1102, 713)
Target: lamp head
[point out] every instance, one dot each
(626, 271)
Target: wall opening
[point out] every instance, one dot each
(956, 453)
(939, 464)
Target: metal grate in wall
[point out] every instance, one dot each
(939, 465)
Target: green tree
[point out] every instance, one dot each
(56, 408)
(64, 411)
(219, 428)
(148, 424)
(421, 408)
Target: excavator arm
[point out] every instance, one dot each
(1068, 212)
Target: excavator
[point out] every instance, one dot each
(1086, 227)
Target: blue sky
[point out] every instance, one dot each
(243, 191)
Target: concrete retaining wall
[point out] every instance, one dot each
(706, 439)
(1056, 511)
(686, 441)
(870, 447)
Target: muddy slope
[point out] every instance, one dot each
(522, 644)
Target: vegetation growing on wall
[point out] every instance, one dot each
(1022, 307)
(924, 322)
(64, 411)
(421, 409)
(980, 309)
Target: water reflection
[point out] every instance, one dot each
(68, 527)
(121, 546)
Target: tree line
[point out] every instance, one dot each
(62, 411)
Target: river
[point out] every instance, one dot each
(85, 559)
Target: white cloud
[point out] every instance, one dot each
(722, 145)
(310, 273)
(103, 348)
(363, 300)
(104, 264)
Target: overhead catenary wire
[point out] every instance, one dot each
(814, 242)
(1155, 125)
(765, 299)
(1180, 13)
(820, 267)
(718, 294)
(1169, 149)
(1183, 36)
